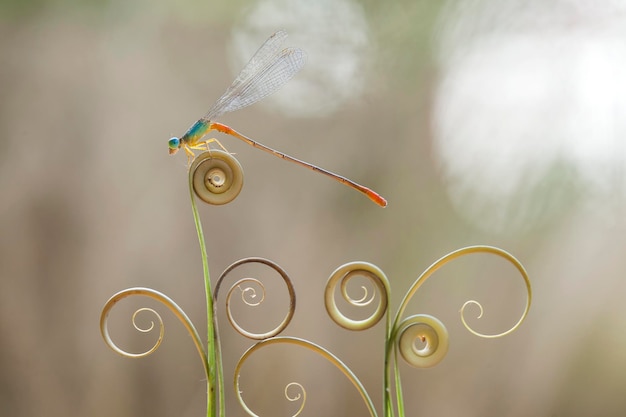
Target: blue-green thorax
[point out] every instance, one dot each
(195, 133)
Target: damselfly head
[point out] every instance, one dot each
(174, 145)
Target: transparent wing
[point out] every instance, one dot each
(268, 70)
(262, 57)
(267, 80)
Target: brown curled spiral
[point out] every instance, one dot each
(429, 333)
(252, 298)
(217, 177)
(341, 276)
(164, 300)
(324, 353)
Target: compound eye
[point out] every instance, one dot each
(174, 143)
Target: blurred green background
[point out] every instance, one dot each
(481, 122)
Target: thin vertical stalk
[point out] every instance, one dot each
(214, 361)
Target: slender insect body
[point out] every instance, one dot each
(268, 70)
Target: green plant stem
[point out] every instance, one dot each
(387, 407)
(398, 384)
(214, 360)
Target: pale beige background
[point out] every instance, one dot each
(91, 203)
